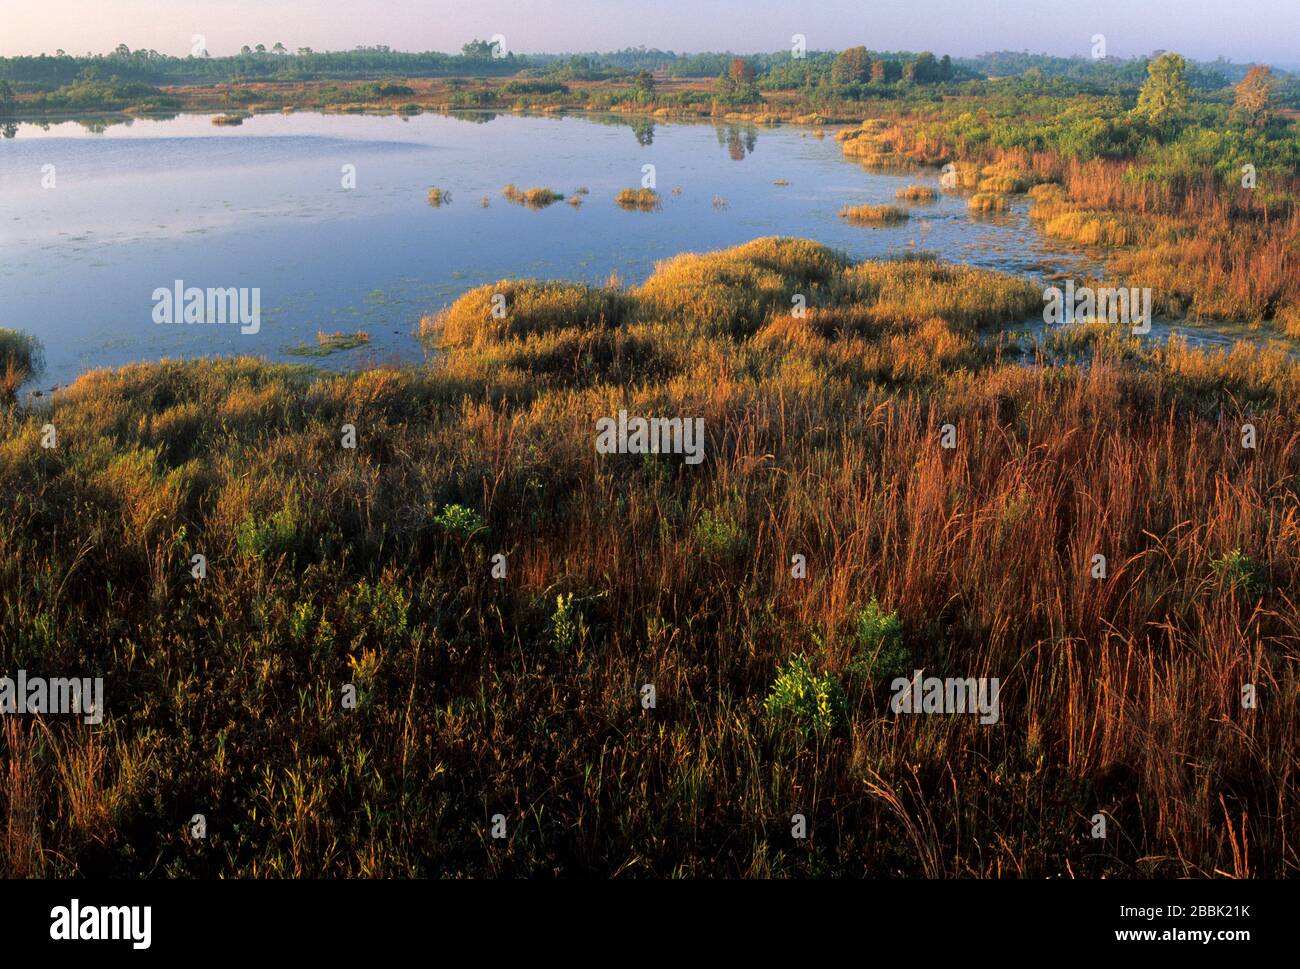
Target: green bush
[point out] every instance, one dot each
(1240, 572)
(812, 704)
(879, 652)
(459, 519)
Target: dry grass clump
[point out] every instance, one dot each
(733, 290)
(987, 202)
(533, 198)
(876, 215)
(638, 199)
(514, 308)
(438, 196)
(916, 193)
(1090, 229)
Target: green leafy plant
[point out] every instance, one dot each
(878, 649)
(813, 704)
(568, 627)
(459, 519)
(1239, 571)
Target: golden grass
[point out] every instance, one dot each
(533, 198)
(638, 199)
(916, 193)
(878, 215)
(987, 202)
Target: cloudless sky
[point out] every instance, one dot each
(1240, 30)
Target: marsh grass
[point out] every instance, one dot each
(987, 202)
(327, 343)
(330, 566)
(533, 198)
(874, 215)
(916, 193)
(638, 199)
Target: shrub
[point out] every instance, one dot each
(879, 653)
(1240, 572)
(800, 698)
(567, 627)
(719, 535)
(459, 520)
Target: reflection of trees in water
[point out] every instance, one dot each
(644, 129)
(8, 129)
(474, 117)
(739, 141)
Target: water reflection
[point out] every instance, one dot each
(738, 140)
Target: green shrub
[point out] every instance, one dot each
(568, 627)
(269, 537)
(459, 519)
(719, 536)
(878, 650)
(1240, 572)
(812, 704)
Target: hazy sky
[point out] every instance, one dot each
(1241, 30)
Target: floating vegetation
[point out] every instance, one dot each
(534, 198)
(640, 199)
(327, 343)
(677, 190)
(229, 120)
(874, 214)
(484, 202)
(439, 196)
(916, 193)
(720, 203)
(781, 182)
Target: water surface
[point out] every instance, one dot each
(136, 206)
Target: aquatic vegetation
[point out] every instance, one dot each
(438, 197)
(916, 193)
(21, 358)
(638, 199)
(229, 119)
(327, 343)
(874, 214)
(987, 202)
(533, 198)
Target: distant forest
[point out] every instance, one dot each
(773, 71)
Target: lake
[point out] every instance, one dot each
(134, 207)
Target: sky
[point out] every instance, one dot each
(1266, 31)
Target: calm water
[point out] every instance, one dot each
(137, 206)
